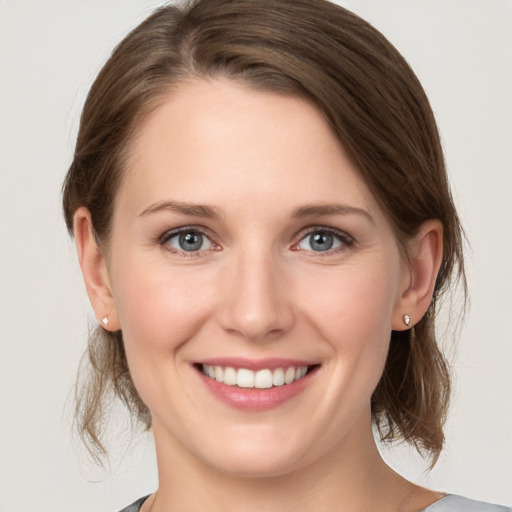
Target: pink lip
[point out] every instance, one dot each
(252, 399)
(255, 364)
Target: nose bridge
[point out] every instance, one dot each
(256, 305)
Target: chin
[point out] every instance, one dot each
(258, 467)
(256, 459)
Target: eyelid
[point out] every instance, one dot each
(165, 237)
(346, 239)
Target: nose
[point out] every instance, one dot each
(256, 304)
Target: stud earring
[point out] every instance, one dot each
(407, 320)
(105, 320)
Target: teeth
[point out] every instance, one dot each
(219, 374)
(245, 378)
(278, 377)
(289, 376)
(262, 379)
(230, 376)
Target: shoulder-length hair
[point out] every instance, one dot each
(374, 103)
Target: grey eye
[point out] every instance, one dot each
(320, 241)
(189, 241)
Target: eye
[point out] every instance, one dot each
(187, 240)
(322, 240)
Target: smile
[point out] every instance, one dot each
(256, 385)
(261, 379)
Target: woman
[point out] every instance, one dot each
(264, 226)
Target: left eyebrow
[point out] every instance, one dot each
(330, 209)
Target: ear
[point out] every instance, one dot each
(94, 270)
(425, 253)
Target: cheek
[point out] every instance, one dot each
(352, 310)
(352, 304)
(159, 309)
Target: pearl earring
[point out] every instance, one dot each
(407, 320)
(105, 320)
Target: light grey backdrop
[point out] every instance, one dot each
(49, 54)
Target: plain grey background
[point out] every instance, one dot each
(49, 54)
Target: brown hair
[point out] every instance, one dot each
(373, 102)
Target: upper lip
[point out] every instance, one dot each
(255, 364)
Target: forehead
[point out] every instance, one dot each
(219, 141)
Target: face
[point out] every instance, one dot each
(255, 280)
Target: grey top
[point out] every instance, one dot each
(135, 507)
(452, 503)
(449, 503)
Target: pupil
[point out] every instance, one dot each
(191, 241)
(321, 241)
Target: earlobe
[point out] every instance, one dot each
(425, 253)
(94, 271)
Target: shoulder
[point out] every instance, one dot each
(135, 507)
(453, 503)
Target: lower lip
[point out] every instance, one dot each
(254, 399)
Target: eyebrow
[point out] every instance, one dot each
(196, 210)
(330, 209)
(200, 210)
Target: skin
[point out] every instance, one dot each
(257, 289)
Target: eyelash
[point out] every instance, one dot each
(346, 240)
(164, 241)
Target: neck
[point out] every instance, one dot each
(350, 477)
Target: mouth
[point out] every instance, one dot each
(265, 378)
(256, 386)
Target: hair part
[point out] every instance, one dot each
(376, 107)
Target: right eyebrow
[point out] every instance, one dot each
(195, 210)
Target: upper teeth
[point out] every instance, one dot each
(261, 379)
